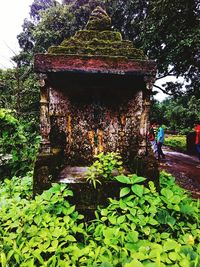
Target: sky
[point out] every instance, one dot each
(12, 15)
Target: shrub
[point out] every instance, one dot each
(142, 228)
(104, 168)
(18, 146)
(36, 232)
(177, 142)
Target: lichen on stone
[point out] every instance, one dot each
(97, 39)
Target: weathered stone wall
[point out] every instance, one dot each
(86, 120)
(95, 90)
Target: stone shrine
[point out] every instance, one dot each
(95, 97)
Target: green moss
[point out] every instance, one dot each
(87, 35)
(99, 20)
(101, 51)
(97, 40)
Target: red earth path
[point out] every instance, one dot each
(185, 168)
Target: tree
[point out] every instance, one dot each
(174, 46)
(178, 113)
(148, 24)
(172, 37)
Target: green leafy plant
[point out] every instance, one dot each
(36, 232)
(18, 146)
(177, 142)
(142, 228)
(104, 168)
(148, 228)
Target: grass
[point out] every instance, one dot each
(177, 142)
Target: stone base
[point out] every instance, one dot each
(146, 166)
(42, 177)
(86, 197)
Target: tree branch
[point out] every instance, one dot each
(165, 92)
(164, 76)
(24, 75)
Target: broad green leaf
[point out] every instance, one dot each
(164, 235)
(132, 237)
(70, 238)
(137, 179)
(29, 263)
(47, 195)
(130, 246)
(122, 204)
(134, 263)
(54, 244)
(153, 264)
(124, 191)
(123, 179)
(131, 217)
(112, 219)
(170, 245)
(173, 256)
(167, 193)
(71, 210)
(152, 221)
(175, 199)
(103, 219)
(37, 255)
(137, 189)
(121, 219)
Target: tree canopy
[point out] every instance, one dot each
(178, 113)
(167, 31)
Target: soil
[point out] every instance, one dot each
(185, 168)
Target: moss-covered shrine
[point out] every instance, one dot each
(95, 97)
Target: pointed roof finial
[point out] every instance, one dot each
(99, 20)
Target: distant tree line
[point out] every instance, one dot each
(177, 113)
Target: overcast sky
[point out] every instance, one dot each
(12, 15)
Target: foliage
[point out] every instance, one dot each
(56, 24)
(178, 114)
(7, 88)
(37, 232)
(147, 228)
(18, 143)
(142, 228)
(177, 142)
(146, 23)
(104, 168)
(19, 91)
(171, 36)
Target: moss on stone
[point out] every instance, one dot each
(99, 20)
(98, 40)
(131, 53)
(87, 35)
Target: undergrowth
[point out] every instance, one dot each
(141, 228)
(177, 142)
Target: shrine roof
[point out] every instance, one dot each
(96, 49)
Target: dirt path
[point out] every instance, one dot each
(184, 168)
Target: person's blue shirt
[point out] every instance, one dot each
(160, 136)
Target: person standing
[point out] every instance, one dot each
(197, 139)
(160, 141)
